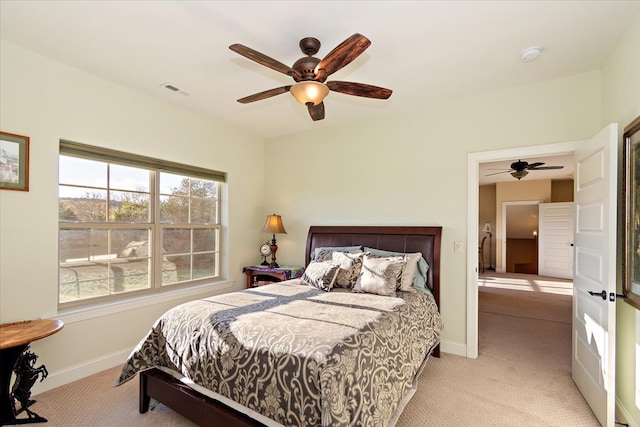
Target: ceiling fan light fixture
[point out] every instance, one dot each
(309, 91)
(519, 174)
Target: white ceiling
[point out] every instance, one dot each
(425, 51)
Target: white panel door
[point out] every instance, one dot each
(593, 337)
(555, 240)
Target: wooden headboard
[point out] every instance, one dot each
(391, 238)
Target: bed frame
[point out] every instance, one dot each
(206, 411)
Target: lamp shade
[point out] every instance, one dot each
(309, 92)
(487, 228)
(273, 225)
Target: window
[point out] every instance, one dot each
(130, 224)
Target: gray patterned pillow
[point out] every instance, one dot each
(379, 275)
(316, 251)
(350, 266)
(321, 275)
(323, 255)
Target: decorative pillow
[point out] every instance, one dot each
(350, 266)
(420, 281)
(381, 252)
(322, 254)
(379, 275)
(321, 275)
(314, 254)
(414, 273)
(409, 270)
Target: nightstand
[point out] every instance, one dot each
(258, 275)
(15, 356)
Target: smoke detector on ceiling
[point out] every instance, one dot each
(530, 54)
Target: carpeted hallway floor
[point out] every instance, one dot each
(522, 376)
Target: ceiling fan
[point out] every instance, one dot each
(310, 73)
(520, 169)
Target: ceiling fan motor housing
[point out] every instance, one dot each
(519, 165)
(307, 68)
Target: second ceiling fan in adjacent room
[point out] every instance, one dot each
(520, 169)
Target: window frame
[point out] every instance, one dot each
(154, 225)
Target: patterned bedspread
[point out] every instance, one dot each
(298, 355)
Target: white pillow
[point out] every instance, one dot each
(379, 275)
(409, 271)
(321, 275)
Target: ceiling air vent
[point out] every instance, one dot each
(174, 88)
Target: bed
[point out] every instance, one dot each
(293, 354)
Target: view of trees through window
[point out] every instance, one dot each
(125, 229)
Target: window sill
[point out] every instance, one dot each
(91, 312)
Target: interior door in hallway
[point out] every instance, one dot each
(555, 240)
(594, 316)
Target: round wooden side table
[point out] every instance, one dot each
(14, 341)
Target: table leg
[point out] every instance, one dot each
(8, 359)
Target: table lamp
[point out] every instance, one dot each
(273, 225)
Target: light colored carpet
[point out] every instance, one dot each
(521, 377)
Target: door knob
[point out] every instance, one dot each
(602, 294)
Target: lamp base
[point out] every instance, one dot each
(274, 249)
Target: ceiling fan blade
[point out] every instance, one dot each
(342, 55)
(360, 89)
(534, 165)
(264, 95)
(542, 168)
(263, 59)
(316, 111)
(498, 173)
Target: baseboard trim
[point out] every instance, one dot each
(81, 370)
(623, 416)
(453, 348)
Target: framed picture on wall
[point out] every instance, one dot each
(14, 162)
(631, 270)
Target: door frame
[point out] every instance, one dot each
(473, 183)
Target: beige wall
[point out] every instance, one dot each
(562, 190)
(621, 104)
(47, 101)
(411, 169)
